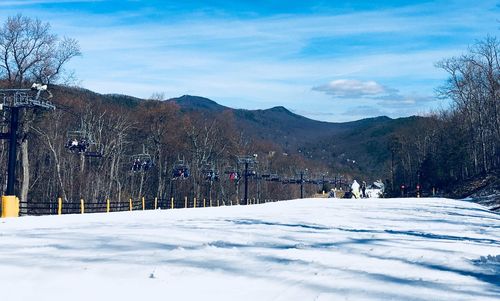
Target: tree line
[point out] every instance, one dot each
(463, 141)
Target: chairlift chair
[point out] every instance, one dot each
(210, 172)
(273, 178)
(232, 173)
(93, 150)
(141, 162)
(251, 173)
(77, 141)
(180, 170)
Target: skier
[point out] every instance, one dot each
(363, 190)
(355, 189)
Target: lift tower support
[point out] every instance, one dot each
(15, 100)
(247, 161)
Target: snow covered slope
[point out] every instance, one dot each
(312, 249)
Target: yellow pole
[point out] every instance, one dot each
(185, 202)
(130, 203)
(107, 206)
(204, 203)
(194, 202)
(143, 204)
(10, 206)
(156, 203)
(82, 206)
(172, 203)
(59, 206)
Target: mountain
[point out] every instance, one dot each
(359, 147)
(278, 123)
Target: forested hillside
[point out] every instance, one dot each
(186, 129)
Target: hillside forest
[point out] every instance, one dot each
(433, 152)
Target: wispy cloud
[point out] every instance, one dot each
(396, 100)
(350, 88)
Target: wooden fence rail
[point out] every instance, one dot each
(58, 206)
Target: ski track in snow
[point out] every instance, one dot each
(311, 249)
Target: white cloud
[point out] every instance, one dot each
(397, 100)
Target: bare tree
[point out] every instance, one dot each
(30, 52)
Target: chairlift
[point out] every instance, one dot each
(141, 162)
(77, 142)
(210, 173)
(251, 173)
(93, 150)
(80, 142)
(233, 174)
(273, 178)
(180, 170)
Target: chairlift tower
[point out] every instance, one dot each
(14, 100)
(247, 161)
(302, 173)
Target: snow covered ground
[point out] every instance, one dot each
(312, 249)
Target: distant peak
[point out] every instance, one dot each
(191, 102)
(194, 98)
(280, 109)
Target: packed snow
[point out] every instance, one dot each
(311, 249)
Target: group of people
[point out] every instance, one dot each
(211, 175)
(77, 146)
(139, 165)
(181, 172)
(356, 191)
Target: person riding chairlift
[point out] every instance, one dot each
(146, 164)
(233, 176)
(72, 144)
(82, 145)
(136, 165)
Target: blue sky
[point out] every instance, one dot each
(327, 60)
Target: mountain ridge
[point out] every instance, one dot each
(334, 144)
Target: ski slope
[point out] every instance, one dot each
(311, 249)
